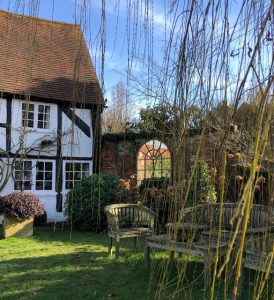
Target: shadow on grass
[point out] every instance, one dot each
(64, 264)
(83, 275)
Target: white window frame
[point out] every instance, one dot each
(65, 172)
(33, 177)
(44, 121)
(27, 114)
(22, 180)
(43, 181)
(36, 112)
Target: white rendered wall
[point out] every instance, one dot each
(75, 144)
(3, 119)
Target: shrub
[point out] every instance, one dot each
(21, 205)
(202, 189)
(127, 191)
(86, 201)
(158, 182)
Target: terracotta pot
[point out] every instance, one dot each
(15, 228)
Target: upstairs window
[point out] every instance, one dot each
(75, 172)
(35, 115)
(43, 116)
(27, 115)
(153, 161)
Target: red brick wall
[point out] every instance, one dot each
(119, 156)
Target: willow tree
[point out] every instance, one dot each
(212, 51)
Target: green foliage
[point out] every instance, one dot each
(157, 119)
(86, 201)
(202, 189)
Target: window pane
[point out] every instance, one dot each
(30, 124)
(48, 185)
(48, 166)
(77, 166)
(69, 175)
(41, 108)
(46, 125)
(85, 167)
(48, 175)
(77, 175)
(84, 174)
(27, 165)
(30, 115)
(39, 175)
(27, 185)
(40, 166)
(68, 166)
(47, 110)
(40, 124)
(69, 185)
(39, 185)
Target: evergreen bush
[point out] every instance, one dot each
(86, 201)
(202, 188)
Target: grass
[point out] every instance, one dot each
(64, 264)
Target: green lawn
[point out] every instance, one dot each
(64, 264)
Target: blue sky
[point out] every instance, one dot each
(118, 39)
(136, 36)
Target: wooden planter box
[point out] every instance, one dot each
(15, 228)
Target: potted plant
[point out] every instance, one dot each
(19, 210)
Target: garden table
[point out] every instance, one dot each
(205, 248)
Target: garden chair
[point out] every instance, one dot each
(128, 221)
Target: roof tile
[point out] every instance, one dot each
(46, 59)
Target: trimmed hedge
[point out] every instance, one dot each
(86, 201)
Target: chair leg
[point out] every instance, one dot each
(135, 243)
(110, 246)
(147, 257)
(117, 248)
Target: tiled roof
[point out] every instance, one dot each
(46, 59)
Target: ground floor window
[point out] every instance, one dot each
(33, 175)
(23, 175)
(44, 175)
(153, 161)
(75, 172)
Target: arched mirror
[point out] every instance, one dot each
(153, 161)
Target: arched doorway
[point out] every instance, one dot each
(153, 161)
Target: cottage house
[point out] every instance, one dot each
(50, 106)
